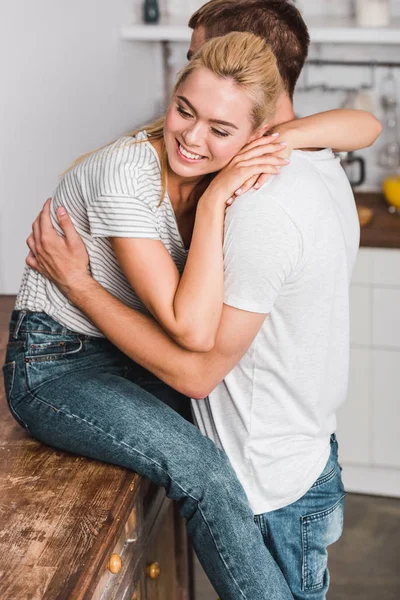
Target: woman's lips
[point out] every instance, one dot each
(180, 149)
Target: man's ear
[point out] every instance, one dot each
(260, 132)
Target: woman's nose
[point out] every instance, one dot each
(192, 136)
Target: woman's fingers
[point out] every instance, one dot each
(260, 150)
(263, 178)
(264, 171)
(263, 140)
(247, 185)
(253, 182)
(273, 161)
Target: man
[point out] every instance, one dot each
(278, 371)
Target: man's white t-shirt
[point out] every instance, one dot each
(290, 250)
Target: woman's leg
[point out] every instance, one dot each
(80, 401)
(149, 382)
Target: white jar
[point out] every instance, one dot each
(179, 11)
(373, 13)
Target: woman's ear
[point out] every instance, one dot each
(260, 132)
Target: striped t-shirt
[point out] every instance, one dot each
(115, 192)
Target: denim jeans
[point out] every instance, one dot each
(298, 535)
(81, 395)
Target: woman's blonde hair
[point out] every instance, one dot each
(243, 58)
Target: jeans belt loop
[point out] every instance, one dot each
(21, 317)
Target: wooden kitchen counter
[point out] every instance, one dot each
(63, 516)
(384, 229)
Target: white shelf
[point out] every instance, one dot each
(156, 33)
(355, 35)
(333, 35)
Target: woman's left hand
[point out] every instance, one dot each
(62, 259)
(278, 154)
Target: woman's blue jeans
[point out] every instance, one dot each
(82, 395)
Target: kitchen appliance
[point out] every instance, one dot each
(354, 165)
(389, 156)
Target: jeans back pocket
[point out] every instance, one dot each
(319, 530)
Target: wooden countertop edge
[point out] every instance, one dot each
(99, 553)
(384, 229)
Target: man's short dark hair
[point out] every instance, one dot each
(277, 21)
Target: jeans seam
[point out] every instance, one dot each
(14, 413)
(46, 382)
(325, 478)
(324, 513)
(133, 450)
(305, 521)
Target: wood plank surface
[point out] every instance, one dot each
(60, 515)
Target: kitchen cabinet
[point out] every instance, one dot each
(79, 529)
(369, 421)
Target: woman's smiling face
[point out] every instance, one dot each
(207, 124)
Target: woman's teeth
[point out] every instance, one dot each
(189, 154)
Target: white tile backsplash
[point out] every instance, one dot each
(386, 267)
(354, 417)
(385, 416)
(386, 318)
(363, 270)
(360, 315)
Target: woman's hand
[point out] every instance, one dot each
(62, 259)
(251, 167)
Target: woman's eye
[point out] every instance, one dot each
(219, 133)
(183, 112)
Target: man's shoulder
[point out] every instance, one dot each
(302, 193)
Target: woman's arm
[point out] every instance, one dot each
(189, 307)
(343, 129)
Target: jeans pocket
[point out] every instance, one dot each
(319, 530)
(53, 349)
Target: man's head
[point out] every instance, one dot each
(277, 21)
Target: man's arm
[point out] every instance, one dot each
(138, 336)
(64, 261)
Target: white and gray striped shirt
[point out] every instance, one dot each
(115, 192)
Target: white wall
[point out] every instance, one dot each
(68, 85)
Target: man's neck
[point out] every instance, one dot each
(285, 111)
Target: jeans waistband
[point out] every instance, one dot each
(40, 322)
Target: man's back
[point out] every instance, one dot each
(290, 250)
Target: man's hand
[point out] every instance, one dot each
(62, 259)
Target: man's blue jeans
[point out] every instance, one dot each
(82, 395)
(298, 535)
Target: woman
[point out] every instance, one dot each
(71, 388)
